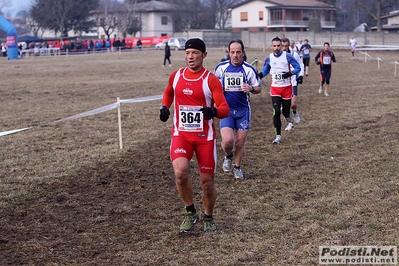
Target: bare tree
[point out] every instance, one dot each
(4, 4)
(129, 22)
(376, 8)
(191, 14)
(61, 16)
(107, 15)
(221, 11)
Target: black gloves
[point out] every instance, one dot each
(164, 113)
(286, 75)
(260, 75)
(300, 80)
(209, 112)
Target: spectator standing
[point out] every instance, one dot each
(194, 91)
(4, 49)
(352, 45)
(306, 48)
(104, 45)
(167, 55)
(139, 44)
(278, 64)
(108, 45)
(115, 45)
(98, 45)
(239, 79)
(90, 46)
(324, 58)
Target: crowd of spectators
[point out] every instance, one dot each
(74, 46)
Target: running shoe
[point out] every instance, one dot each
(326, 94)
(320, 89)
(227, 164)
(289, 127)
(297, 118)
(238, 173)
(277, 140)
(190, 219)
(209, 225)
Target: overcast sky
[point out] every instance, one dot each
(18, 5)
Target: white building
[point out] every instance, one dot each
(281, 15)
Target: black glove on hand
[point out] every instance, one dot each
(209, 112)
(299, 80)
(286, 75)
(164, 113)
(260, 75)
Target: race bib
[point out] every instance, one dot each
(233, 81)
(306, 51)
(326, 60)
(279, 80)
(190, 118)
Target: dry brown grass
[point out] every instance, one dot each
(69, 196)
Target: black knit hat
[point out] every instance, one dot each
(196, 43)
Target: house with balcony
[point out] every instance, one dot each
(281, 15)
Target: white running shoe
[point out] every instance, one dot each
(227, 164)
(289, 127)
(238, 173)
(320, 89)
(326, 94)
(297, 118)
(277, 140)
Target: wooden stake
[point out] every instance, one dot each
(119, 123)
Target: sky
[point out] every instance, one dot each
(17, 5)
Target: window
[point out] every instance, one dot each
(277, 15)
(164, 20)
(260, 15)
(244, 16)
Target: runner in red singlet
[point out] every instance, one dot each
(194, 91)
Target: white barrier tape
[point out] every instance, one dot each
(13, 131)
(143, 99)
(89, 113)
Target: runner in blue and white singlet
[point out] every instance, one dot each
(239, 79)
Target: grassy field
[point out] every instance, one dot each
(70, 196)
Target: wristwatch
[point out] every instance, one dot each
(252, 88)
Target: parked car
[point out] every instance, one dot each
(176, 43)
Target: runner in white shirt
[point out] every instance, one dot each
(298, 48)
(352, 44)
(294, 80)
